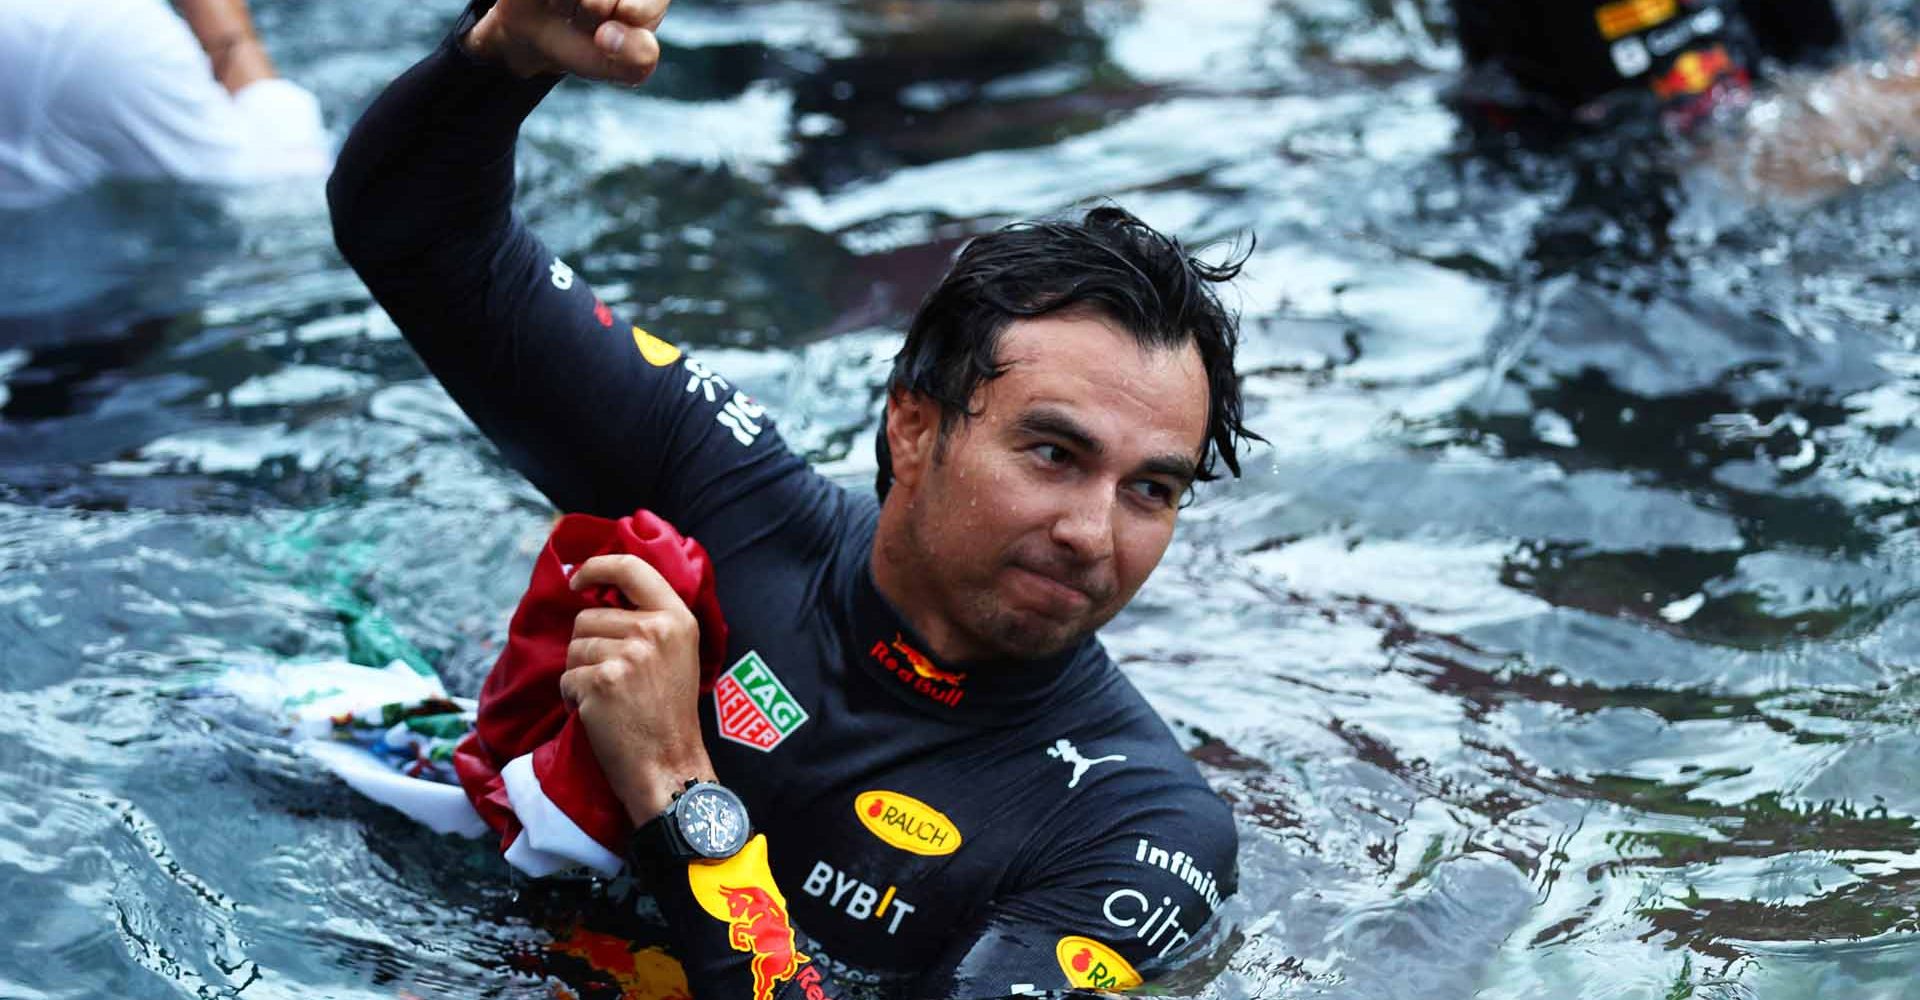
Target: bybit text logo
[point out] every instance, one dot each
(907, 823)
(855, 898)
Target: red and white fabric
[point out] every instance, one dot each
(527, 767)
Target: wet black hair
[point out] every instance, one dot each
(1109, 263)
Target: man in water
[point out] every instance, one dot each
(954, 790)
(1597, 61)
(1543, 68)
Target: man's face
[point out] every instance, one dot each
(1043, 514)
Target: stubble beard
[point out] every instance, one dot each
(975, 611)
(1020, 637)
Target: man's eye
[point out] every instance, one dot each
(1159, 493)
(1052, 454)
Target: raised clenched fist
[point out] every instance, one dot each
(597, 39)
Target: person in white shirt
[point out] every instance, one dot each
(129, 88)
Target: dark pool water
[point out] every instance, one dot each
(1564, 640)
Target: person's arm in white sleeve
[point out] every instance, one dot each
(141, 95)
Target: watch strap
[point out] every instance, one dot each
(658, 841)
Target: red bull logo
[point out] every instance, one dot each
(741, 893)
(918, 671)
(923, 666)
(760, 926)
(1693, 73)
(812, 985)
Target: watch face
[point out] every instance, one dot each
(712, 820)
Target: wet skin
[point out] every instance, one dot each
(1034, 522)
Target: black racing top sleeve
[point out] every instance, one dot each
(1113, 908)
(602, 418)
(600, 415)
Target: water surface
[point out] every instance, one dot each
(1562, 640)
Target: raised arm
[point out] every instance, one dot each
(600, 415)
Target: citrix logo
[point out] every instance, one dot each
(860, 905)
(1127, 908)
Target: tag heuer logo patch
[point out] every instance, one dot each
(753, 707)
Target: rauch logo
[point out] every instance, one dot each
(1089, 963)
(753, 707)
(907, 823)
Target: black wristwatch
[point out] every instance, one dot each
(705, 821)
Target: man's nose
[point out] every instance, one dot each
(1085, 523)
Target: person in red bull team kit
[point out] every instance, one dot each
(919, 770)
(1592, 62)
(1552, 70)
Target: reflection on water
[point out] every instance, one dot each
(1561, 643)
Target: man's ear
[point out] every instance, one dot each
(913, 434)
